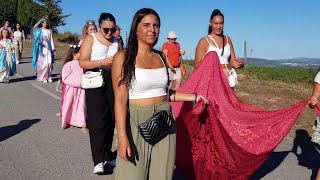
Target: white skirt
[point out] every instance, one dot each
(175, 76)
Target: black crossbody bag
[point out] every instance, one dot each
(159, 125)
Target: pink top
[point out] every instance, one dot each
(73, 106)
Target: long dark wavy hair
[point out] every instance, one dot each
(72, 51)
(132, 46)
(214, 13)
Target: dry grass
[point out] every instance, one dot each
(263, 94)
(61, 50)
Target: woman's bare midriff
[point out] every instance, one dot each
(147, 101)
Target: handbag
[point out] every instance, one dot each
(159, 125)
(92, 79)
(156, 127)
(232, 77)
(183, 69)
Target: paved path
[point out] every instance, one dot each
(33, 146)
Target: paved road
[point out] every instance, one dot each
(33, 146)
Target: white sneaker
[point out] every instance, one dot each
(45, 81)
(50, 80)
(111, 163)
(98, 169)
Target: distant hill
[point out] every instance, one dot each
(313, 63)
(294, 62)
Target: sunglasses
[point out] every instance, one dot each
(112, 30)
(172, 38)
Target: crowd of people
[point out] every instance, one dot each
(139, 82)
(12, 39)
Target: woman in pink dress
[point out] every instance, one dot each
(43, 51)
(73, 105)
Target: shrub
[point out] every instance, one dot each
(67, 37)
(281, 74)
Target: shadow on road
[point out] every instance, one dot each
(9, 131)
(55, 77)
(271, 164)
(28, 78)
(26, 57)
(306, 151)
(309, 156)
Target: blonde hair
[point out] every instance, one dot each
(1, 31)
(85, 27)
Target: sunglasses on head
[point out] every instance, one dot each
(112, 30)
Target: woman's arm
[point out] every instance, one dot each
(315, 95)
(200, 52)
(165, 52)
(68, 77)
(234, 61)
(85, 56)
(177, 96)
(120, 105)
(23, 36)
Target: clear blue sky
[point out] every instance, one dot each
(274, 29)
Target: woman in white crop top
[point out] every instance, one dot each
(216, 41)
(18, 40)
(96, 53)
(140, 79)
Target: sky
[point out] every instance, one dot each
(272, 29)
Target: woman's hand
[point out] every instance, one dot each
(237, 63)
(123, 148)
(172, 70)
(313, 101)
(108, 61)
(203, 98)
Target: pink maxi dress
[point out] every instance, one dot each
(44, 62)
(73, 105)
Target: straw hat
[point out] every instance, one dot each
(172, 35)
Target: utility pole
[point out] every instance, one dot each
(245, 54)
(126, 38)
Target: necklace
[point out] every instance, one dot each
(145, 61)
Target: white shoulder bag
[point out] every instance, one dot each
(92, 79)
(232, 77)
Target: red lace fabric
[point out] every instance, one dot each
(227, 139)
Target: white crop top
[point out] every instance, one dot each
(149, 83)
(17, 35)
(224, 59)
(100, 51)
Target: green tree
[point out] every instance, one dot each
(25, 12)
(52, 10)
(8, 10)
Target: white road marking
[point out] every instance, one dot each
(41, 88)
(19, 76)
(46, 91)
